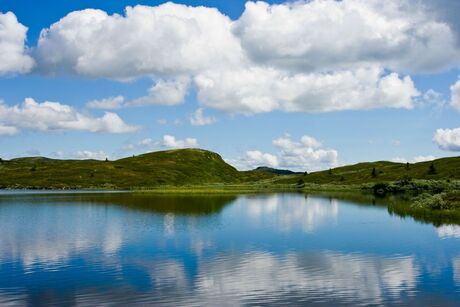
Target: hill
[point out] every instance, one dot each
(275, 171)
(171, 167)
(443, 169)
(197, 167)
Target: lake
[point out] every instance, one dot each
(131, 249)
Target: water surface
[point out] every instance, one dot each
(121, 248)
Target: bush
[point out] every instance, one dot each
(380, 189)
(300, 184)
(432, 170)
(431, 202)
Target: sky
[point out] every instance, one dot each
(303, 85)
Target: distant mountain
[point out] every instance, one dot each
(275, 171)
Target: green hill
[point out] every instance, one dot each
(195, 167)
(443, 169)
(171, 167)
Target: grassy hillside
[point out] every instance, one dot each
(445, 168)
(172, 167)
(196, 167)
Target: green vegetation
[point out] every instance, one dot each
(429, 187)
(165, 168)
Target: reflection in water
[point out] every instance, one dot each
(307, 212)
(279, 249)
(316, 276)
(449, 231)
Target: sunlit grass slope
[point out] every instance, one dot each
(171, 167)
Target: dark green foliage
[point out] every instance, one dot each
(275, 171)
(106, 159)
(33, 168)
(1, 160)
(342, 178)
(432, 169)
(407, 165)
(374, 173)
(300, 184)
(305, 173)
(330, 171)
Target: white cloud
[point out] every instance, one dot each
(199, 119)
(415, 159)
(8, 130)
(305, 65)
(307, 154)
(81, 155)
(258, 90)
(455, 95)
(170, 39)
(170, 92)
(49, 116)
(170, 141)
(13, 54)
(162, 121)
(319, 35)
(448, 139)
(255, 158)
(107, 103)
(146, 143)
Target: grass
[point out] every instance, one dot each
(196, 171)
(164, 168)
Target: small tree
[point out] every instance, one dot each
(407, 165)
(305, 173)
(300, 183)
(329, 171)
(1, 160)
(432, 169)
(374, 173)
(106, 159)
(33, 168)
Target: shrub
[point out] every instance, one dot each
(431, 202)
(432, 169)
(374, 173)
(300, 183)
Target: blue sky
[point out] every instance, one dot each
(266, 84)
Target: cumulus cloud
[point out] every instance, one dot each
(170, 92)
(447, 139)
(13, 53)
(171, 39)
(170, 141)
(330, 56)
(255, 158)
(308, 154)
(318, 35)
(258, 90)
(107, 103)
(455, 95)
(199, 119)
(54, 116)
(305, 154)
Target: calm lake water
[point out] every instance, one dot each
(119, 248)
